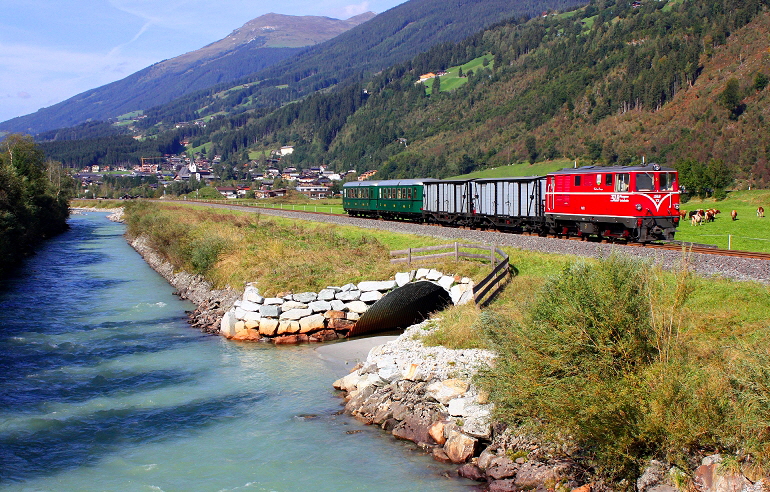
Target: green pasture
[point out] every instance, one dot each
(257, 154)
(747, 233)
(522, 169)
(452, 80)
(130, 116)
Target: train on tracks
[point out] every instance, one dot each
(630, 203)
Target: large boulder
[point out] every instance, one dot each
(270, 311)
(372, 296)
(414, 429)
(449, 389)
(357, 307)
(348, 295)
(289, 305)
(295, 314)
(305, 297)
(370, 286)
(268, 326)
(319, 306)
(227, 325)
(326, 295)
(460, 447)
(312, 323)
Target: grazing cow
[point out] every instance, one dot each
(760, 212)
(711, 214)
(696, 219)
(683, 214)
(734, 214)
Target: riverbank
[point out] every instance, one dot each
(532, 270)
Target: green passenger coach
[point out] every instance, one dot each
(359, 198)
(391, 199)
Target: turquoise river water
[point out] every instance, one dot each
(104, 386)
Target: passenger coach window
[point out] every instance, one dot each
(667, 181)
(608, 180)
(622, 182)
(645, 182)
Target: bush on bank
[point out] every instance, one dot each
(606, 358)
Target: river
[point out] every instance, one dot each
(104, 386)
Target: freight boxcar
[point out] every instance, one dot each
(516, 204)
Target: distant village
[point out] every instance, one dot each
(315, 183)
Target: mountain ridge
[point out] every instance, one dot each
(246, 50)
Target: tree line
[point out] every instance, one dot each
(34, 199)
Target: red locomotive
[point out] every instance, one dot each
(639, 203)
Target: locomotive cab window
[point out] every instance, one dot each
(608, 180)
(577, 180)
(622, 182)
(645, 182)
(667, 181)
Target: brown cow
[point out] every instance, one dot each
(696, 219)
(760, 212)
(683, 214)
(734, 214)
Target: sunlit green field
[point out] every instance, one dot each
(523, 169)
(747, 233)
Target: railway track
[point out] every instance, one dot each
(674, 246)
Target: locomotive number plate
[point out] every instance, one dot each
(619, 198)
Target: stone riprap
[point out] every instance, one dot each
(325, 315)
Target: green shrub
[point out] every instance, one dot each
(574, 367)
(204, 253)
(603, 359)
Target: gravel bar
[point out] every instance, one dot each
(704, 264)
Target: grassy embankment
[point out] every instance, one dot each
(616, 356)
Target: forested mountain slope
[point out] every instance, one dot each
(680, 82)
(667, 80)
(392, 37)
(606, 84)
(258, 44)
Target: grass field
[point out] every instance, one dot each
(452, 80)
(523, 169)
(747, 233)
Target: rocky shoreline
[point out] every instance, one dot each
(426, 395)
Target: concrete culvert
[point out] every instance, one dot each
(402, 307)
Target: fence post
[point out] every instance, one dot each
(492, 255)
(409, 258)
(457, 252)
(729, 241)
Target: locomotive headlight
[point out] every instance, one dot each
(676, 206)
(638, 206)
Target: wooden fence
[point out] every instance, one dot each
(485, 290)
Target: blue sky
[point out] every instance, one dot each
(51, 50)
